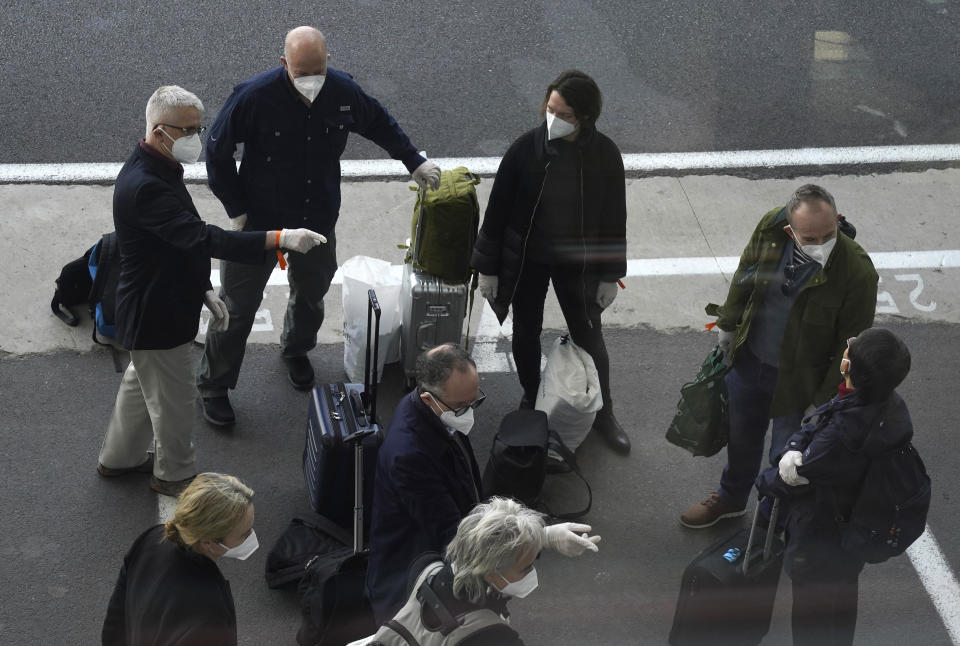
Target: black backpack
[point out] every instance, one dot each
(92, 279)
(890, 512)
(517, 467)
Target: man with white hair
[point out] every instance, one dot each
(427, 477)
(293, 122)
(165, 251)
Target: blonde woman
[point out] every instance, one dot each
(170, 590)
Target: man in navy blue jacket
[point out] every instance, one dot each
(293, 122)
(427, 479)
(165, 251)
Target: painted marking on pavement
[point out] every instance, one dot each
(166, 505)
(106, 173)
(938, 580)
(708, 265)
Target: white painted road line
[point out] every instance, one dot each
(938, 580)
(166, 505)
(726, 265)
(723, 265)
(105, 173)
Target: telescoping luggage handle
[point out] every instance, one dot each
(768, 536)
(370, 409)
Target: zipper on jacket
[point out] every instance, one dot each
(526, 238)
(583, 244)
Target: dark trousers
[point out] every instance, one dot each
(577, 295)
(825, 614)
(750, 387)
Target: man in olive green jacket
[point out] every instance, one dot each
(799, 293)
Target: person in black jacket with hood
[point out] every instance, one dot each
(557, 213)
(820, 475)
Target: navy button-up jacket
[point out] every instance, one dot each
(289, 174)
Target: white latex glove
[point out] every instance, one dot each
(237, 223)
(302, 240)
(426, 175)
(566, 538)
(220, 316)
(488, 286)
(724, 339)
(788, 468)
(606, 292)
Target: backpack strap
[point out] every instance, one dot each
(568, 458)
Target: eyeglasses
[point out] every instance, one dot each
(457, 412)
(199, 130)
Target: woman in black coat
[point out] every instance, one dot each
(820, 475)
(557, 214)
(170, 591)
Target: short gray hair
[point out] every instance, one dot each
(434, 366)
(806, 193)
(165, 100)
(490, 540)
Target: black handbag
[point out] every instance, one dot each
(517, 467)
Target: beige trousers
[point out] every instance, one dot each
(157, 400)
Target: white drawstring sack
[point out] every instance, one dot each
(570, 392)
(359, 274)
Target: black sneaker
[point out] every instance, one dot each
(218, 411)
(607, 427)
(300, 372)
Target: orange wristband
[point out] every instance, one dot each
(280, 258)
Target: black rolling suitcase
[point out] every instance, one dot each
(339, 410)
(335, 609)
(728, 590)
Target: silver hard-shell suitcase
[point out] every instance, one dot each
(432, 312)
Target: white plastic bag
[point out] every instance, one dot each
(360, 274)
(570, 392)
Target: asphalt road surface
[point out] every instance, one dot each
(467, 79)
(65, 529)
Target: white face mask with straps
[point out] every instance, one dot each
(244, 549)
(309, 86)
(557, 127)
(521, 588)
(185, 150)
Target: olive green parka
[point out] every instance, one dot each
(837, 303)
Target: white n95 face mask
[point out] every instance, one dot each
(244, 549)
(521, 588)
(464, 423)
(309, 86)
(819, 252)
(185, 150)
(557, 127)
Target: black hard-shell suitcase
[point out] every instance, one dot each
(728, 591)
(334, 606)
(336, 411)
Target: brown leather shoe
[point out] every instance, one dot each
(144, 467)
(707, 513)
(172, 488)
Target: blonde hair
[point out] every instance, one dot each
(491, 539)
(209, 508)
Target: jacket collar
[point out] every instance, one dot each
(431, 418)
(583, 140)
(160, 164)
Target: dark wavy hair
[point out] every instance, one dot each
(581, 93)
(879, 362)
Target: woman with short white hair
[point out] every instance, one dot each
(170, 590)
(462, 599)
